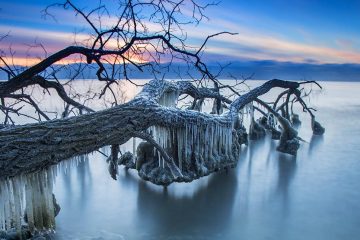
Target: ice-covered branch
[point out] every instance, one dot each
(184, 144)
(50, 142)
(241, 101)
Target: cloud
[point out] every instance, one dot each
(258, 45)
(21, 38)
(251, 42)
(30, 61)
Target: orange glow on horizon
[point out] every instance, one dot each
(31, 61)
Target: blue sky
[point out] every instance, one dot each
(306, 21)
(318, 31)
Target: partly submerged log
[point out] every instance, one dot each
(186, 144)
(32, 147)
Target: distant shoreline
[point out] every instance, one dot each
(259, 70)
(222, 79)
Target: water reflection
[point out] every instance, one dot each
(84, 180)
(259, 194)
(206, 212)
(128, 179)
(252, 153)
(67, 186)
(272, 148)
(315, 142)
(269, 195)
(286, 165)
(267, 174)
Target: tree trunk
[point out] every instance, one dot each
(31, 147)
(181, 145)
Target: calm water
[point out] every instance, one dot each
(268, 196)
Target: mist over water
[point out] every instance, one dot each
(270, 195)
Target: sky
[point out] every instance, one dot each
(299, 31)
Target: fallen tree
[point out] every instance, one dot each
(28, 148)
(183, 145)
(178, 145)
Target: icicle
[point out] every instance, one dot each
(7, 206)
(206, 143)
(179, 147)
(251, 110)
(212, 141)
(17, 191)
(30, 194)
(169, 99)
(185, 141)
(134, 146)
(2, 213)
(29, 207)
(196, 142)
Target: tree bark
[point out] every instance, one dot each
(31, 147)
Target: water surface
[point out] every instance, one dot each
(270, 195)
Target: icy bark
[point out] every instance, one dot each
(27, 148)
(289, 140)
(182, 145)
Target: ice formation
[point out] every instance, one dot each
(29, 195)
(29, 198)
(197, 147)
(169, 98)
